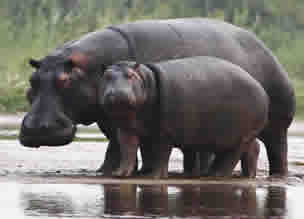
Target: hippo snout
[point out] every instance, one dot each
(37, 131)
(115, 101)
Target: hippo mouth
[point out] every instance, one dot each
(56, 138)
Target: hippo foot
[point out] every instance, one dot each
(248, 175)
(144, 171)
(106, 170)
(191, 174)
(100, 169)
(123, 171)
(155, 174)
(219, 174)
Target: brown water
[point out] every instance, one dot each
(62, 183)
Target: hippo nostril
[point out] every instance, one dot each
(48, 126)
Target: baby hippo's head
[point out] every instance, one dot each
(122, 89)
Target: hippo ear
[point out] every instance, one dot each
(35, 63)
(80, 60)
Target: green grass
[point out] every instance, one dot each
(38, 37)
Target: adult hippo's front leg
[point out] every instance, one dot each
(274, 136)
(111, 160)
(155, 158)
(112, 156)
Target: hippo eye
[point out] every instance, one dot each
(131, 75)
(78, 72)
(108, 76)
(63, 80)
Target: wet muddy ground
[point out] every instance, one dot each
(62, 183)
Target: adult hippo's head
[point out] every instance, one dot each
(62, 94)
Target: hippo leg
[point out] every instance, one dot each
(249, 160)
(112, 159)
(197, 163)
(148, 161)
(112, 156)
(128, 152)
(206, 159)
(274, 136)
(225, 162)
(191, 162)
(158, 161)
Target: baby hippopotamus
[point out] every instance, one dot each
(204, 104)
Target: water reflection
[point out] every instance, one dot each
(155, 201)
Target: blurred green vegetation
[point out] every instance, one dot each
(32, 28)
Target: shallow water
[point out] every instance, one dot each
(53, 183)
(128, 201)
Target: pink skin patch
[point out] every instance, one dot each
(63, 80)
(80, 60)
(133, 74)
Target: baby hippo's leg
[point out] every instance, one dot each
(191, 162)
(225, 162)
(206, 160)
(249, 160)
(128, 153)
(196, 163)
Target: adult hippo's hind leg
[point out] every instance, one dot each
(274, 136)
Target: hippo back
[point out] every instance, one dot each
(202, 97)
(158, 40)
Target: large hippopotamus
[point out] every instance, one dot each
(64, 85)
(205, 103)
